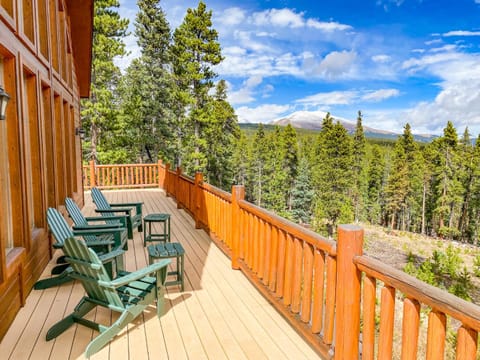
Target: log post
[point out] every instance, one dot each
(347, 316)
(92, 174)
(161, 175)
(167, 179)
(177, 191)
(198, 207)
(238, 193)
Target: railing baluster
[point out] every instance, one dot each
(411, 321)
(273, 258)
(267, 253)
(387, 312)
(436, 335)
(281, 263)
(289, 263)
(368, 333)
(330, 299)
(297, 276)
(307, 282)
(467, 340)
(318, 290)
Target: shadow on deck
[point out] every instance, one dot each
(220, 315)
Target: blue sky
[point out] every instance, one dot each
(397, 61)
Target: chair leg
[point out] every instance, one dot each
(80, 311)
(107, 335)
(54, 281)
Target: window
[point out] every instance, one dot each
(42, 27)
(28, 25)
(6, 232)
(33, 159)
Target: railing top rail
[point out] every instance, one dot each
(122, 165)
(290, 227)
(437, 299)
(187, 178)
(216, 191)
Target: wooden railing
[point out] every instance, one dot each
(120, 176)
(329, 290)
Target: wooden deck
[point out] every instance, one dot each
(220, 315)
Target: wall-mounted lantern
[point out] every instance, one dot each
(80, 132)
(4, 97)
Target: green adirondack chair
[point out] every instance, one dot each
(134, 218)
(129, 294)
(107, 242)
(96, 222)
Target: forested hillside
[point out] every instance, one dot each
(169, 104)
(329, 177)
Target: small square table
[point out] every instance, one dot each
(169, 250)
(156, 218)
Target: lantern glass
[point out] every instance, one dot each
(4, 97)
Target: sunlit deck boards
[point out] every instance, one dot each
(220, 315)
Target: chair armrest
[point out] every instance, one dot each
(96, 226)
(124, 280)
(110, 211)
(96, 231)
(111, 255)
(136, 205)
(121, 218)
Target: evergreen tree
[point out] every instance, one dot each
(99, 113)
(222, 135)
(241, 160)
(258, 159)
(376, 171)
(195, 51)
(333, 177)
(467, 156)
(302, 194)
(153, 85)
(289, 144)
(359, 190)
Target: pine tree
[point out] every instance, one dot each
(376, 171)
(154, 85)
(222, 133)
(195, 51)
(99, 113)
(258, 159)
(359, 190)
(302, 194)
(289, 143)
(333, 177)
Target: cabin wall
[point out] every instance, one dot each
(40, 155)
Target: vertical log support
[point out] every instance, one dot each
(197, 206)
(92, 174)
(176, 190)
(160, 175)
(238, 193)
(347, 317)
(167, 179)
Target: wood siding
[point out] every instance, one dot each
(39, 71)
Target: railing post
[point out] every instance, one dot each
(238, 193)
(177, 187)
(159, 175)
(197, 207)
(167, 179)
(347, 316)
(92, 174)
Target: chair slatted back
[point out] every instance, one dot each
(102, 204)
(58, 226)
(90, 271)
(75, 213)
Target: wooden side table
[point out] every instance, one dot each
(148, 235)
(169, 250)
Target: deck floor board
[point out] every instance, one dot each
(220, 315)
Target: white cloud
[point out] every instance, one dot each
(433, 42)
(379, 95)
(462, 33)
(327, 26)
(232, 16)
(336, 64)
(330, 98)
(382, 58)
(245, 94)
(278, 17)
(261, 114)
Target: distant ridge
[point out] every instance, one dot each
(312, 120)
